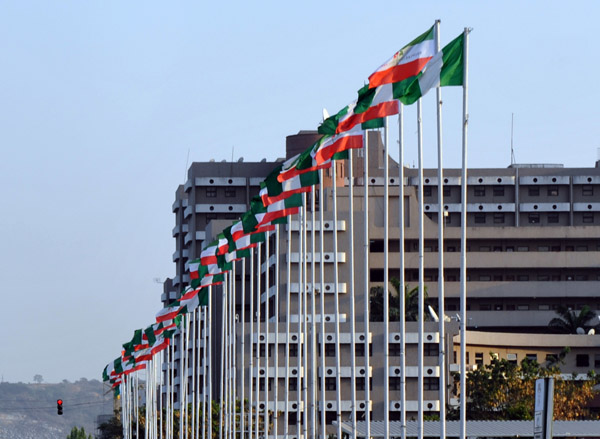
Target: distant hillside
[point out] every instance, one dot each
(28, 411)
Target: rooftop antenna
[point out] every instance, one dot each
(512, 150)
(187, 162)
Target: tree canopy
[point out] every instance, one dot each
(568, 321)
(505, 391)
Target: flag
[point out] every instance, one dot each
(407, 62)
(272, 190)
(445, 69)
(345, 141)
(387, 86)
(193, 268)
(278, 209)
(168, 312)
(209, 253)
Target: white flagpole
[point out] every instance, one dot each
(223, 367)
(301, 286)
(313, 324)
(258, 343)
(338, 383)
(421, 274)
(322, 299)
(276, 313)
(160, 399)
(194, 354)
(184, 379)
(366, 285)
(232, 351)
(251, 367)
(351, 285)
(287, 329)
(204, 371)
(209, 365)
(463, 248)
(386, 294)
(441, 220)
(267, 331)
(305, 375)
(401, 293)
(243, 353)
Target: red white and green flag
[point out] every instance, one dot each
(273, 190)
(446, 68)
(193, 268)
(387, 86)
(407, 62)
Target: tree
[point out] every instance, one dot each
(38, 378)
(411, 300)
(569, 321)
(505, 391)
(111, 429)
(78, 434)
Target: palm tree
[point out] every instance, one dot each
(569, 321)
(411, 300)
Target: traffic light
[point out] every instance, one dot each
(59, 407)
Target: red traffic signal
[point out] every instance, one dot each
(59, 407)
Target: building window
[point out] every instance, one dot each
(211, 192)
(588, 217)
(479, 358)
(523, 277)
(329, 417)
(479, 218)
(427, 191)
(330, 384)
(522, 307)
(210, 217)
(359, 349)
(485, 307)
(431, 383)
(498, 191)
(596, 361)
(498, 218)
(330, 349)
(531, 357)
(360, 383)
(582, 360)
(395, 383)
(479, 191)
(587, 190)
(230, 192)
(431, 349)
(534, 218)
(293, 350)
(394, 349)
(552, 191)
(543, 277)
(485, 278)
(534, 191)
(552, 218)
(511, 358)
(292, 383)
(447, 191)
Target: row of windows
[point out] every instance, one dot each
(211, 192)
(532, 218)
(376, 246)
(498, 191)
(430, 349)
(581, 360)
(429, 383)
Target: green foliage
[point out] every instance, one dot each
(505, 391)
(569, 321)
(77, 433)
(411, 301)
(112, 429)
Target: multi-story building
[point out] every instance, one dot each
(533, 244)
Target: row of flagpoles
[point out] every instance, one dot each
(244, 248)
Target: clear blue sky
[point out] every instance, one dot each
(100, 102)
